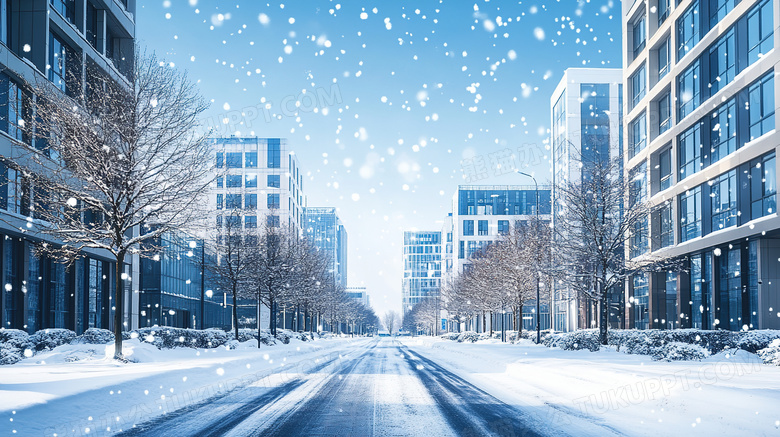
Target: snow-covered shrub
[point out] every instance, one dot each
(13, 344)
(266, 338)
(283, 335)
(468, 336)
(771, 354)
(94, 336)
(576, 340)
(648, 342)
(451, 336)
(47, 339)
(530, 334)
(753, 341)
(676, 351)
(232, 344)
(165, 337)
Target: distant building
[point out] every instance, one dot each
(324, 228)
(360, 294)
(260, 176)
(422, 267)
(587, 124)
(481, 213)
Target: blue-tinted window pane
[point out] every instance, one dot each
(664, 113)
(664, 59)
(689, 151)
(234, 180)
(250, 221)
(723, 131)
(234, 159)
(689, 90)
(763, 186)
(638, 132)
(273, 221)
(688, 33)
(639, 35)
(760, 31)
(250, 180)
(690, 214)
(638, 85)
(274, 153)
(250, 160)
(762, 106)
(719, 9)
(723, 62)
(251, 201)
(273, 201)
(639, 305)
(468, 227)
(274, 181)
(723, 193)
(483, 227)
(665, 166)
(220, 159)
(219, 201)
(233, 201)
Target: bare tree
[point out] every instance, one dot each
(234, 251)
(604, 215)
(117, 165)
(390, 319)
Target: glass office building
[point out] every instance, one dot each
(422, 267)
(323, 227)
(709, 161)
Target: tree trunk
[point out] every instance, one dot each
(272, 319)
(603, 317)
(119, 294)
(483, 321)
(235, 312)
(491, 324)
(259, 328)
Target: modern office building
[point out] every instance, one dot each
(701, 144)
(422, 267)
(481, 213)
(175, 290)
(324, 228)
(262, 178)
(54, 40)
(586, 119)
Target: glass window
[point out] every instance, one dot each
(233, 222)
(723, 193)
(689, 90)
(665, 169)
(639, 241)
(250, 221)
(250, 201)
(638, 132)
(220, 182)
(672, 313)
(234, 180)
(664, 59)
(503, 227)
(663, 11)
(689, 151)
(763, 186)
(250, 159)
(274, 153)
(273, 201)
(220, 159)
(19, 112)
(273, 221)
(700, 277)
(760, 31)
(729, 305)
(461, 249)
(638, 189)
(66, 8)
(640, 35)
(219, 201)
(59, 56)
(483, 227)
(468, 227)
(762, 105)
(723, 131)
(665, 225)
(723, 62)
(688, 29)
(639, 303)
(638, 85)
(233, 159)
(690, 214)
(664, 113)
(250, 180)
(274, 181)
(233, 201)
(719, 9)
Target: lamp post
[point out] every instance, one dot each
(538, 312)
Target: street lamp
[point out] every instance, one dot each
(538, 312)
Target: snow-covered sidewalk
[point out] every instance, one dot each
(583, 391)
(80, 390)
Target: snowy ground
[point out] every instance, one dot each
(411, 386)
(628, 394)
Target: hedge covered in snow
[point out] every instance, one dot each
(13, 344)
(165, 337)
(48, 339)
(94, 336)
(771, 354)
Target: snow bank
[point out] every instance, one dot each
(771, 354)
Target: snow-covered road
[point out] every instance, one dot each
(378, 387)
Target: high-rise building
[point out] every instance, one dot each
(360, 294)
(586, 119)
(422, 267)
(323, 227)
(54, 40)
(259, 178)
(700, 146)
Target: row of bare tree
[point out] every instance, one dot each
(275, 266)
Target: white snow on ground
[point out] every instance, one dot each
(79, 389)
(726, 394)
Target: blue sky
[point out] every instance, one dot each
(382, 101)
